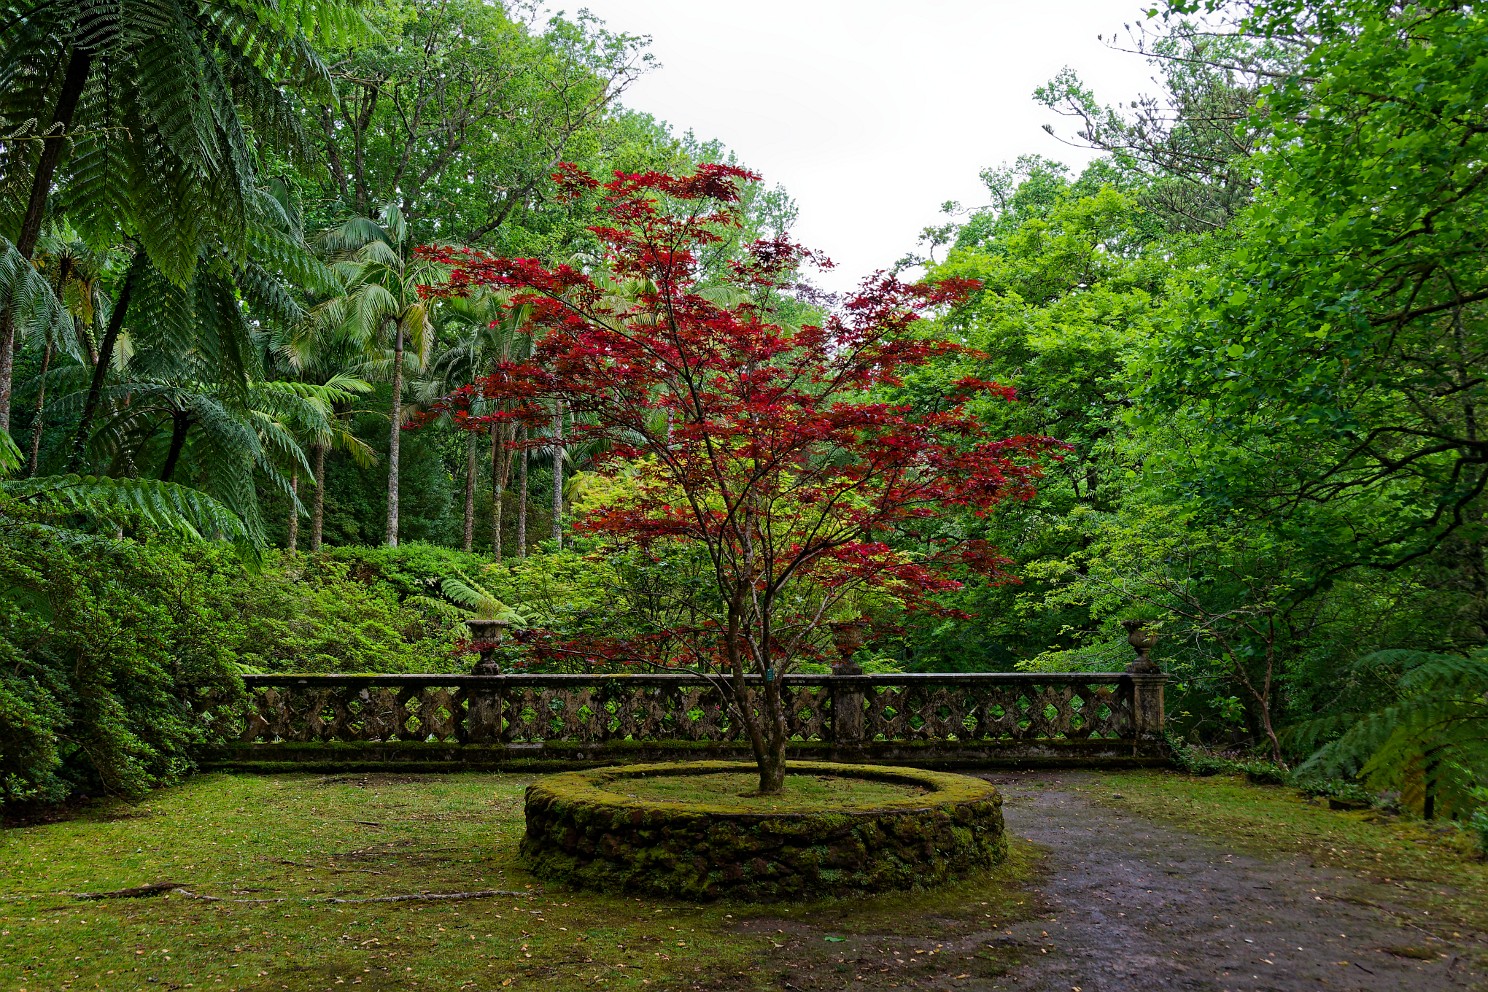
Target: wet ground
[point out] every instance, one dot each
(1126, 904)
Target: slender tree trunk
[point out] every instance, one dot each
(317, 512)
(180, 424)
(503, 438)
(85, 342)
(498, 491)
(105, 358)
(1430, 766)
(293, 542)
(392, 500)
(522, 497)
(470, 471)
(78, 67)
(558, 475)
(36, 425)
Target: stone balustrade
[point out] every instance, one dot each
(513, 720)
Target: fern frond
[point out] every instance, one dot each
(1432, 741)
(10, 455)
(464, 591)
(167, 506)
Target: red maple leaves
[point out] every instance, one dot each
(776, 448)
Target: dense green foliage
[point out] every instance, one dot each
(1257, 320)
(104, 647)
(1264, 347)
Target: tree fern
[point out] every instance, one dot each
(1430, 744)
(167, 506)
(166, 106)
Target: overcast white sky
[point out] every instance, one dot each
(873, 113)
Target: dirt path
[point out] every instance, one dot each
(1131, 905)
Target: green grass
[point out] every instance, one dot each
(305, 837)
(302, 838)
(803, 793)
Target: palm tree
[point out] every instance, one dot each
(487, 330)
(312, 416)
(149, 108)
(381, 303)
(320, 355)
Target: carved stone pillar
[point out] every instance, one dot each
(847, 696)
(847, 708)
(1147, 681)
(483, 707)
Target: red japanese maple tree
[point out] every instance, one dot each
(768, 446)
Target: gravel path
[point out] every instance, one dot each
(1132, 905)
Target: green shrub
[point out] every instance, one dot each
(108, 650)
(347, 610)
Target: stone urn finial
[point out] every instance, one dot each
(487, 636)
(1143, 639)
(847, 637)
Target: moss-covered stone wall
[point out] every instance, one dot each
(580, 832)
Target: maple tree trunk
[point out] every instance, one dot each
(73, 82)
(35, 456)
(293, 541)
(470, 470)
(317, 512)
(392, 499)
(772, 765)
(522, 499)
(1270, 732)
(558, 475)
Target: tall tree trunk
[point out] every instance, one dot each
(36, 425)
(470, 471)
(317, 512)
(558, 475)
(293, 542)
(498, 491)
(105, 358)
(180, 424)
(522, 497)
(76, 77)
(392, 500)
(85, 341)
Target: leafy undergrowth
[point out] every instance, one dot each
(1430, 867)
(304, 838)
(802, 792)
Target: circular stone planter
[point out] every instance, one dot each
(582, 830)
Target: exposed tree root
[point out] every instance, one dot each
(413, 897)
(136, 892)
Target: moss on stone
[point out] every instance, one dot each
(581, 830)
